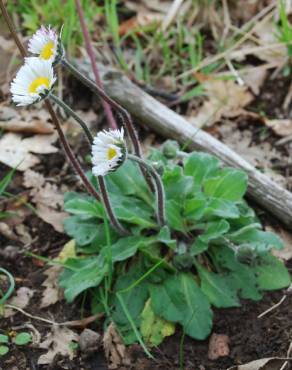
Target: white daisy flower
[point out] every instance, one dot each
(46, 44)
(108, 151)
(33, 81)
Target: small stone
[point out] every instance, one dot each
(218, 346)
(89, 341)
(9, 253)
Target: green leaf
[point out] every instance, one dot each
(22, 338)
(176, 184)
(153, 328)
(183, 302)
(230, 184)
(134, 298)
(132, 210)
(83, 231)
(164, 237)
(200, 166)
(174, 216)
(3, 350)
(213, 231)
(6, 181)
(87, 273)
(126, 247)
(4, 338)
(216, 288)
(221, 208)
(262, 241)
(128, 180)
(236, 274)
(271, 273)
(82, 205)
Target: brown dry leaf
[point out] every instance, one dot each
(52, 293)
(143, 6)
(281, 127)
(285, 253)
(225, 99)
(58, 342)
(218, 346)
(272, 363)
(254, 79)
(276, 54)
(25, 121)
(48, 199)
(16, 151)
(115, 350)
(21, 300)
(141, 20)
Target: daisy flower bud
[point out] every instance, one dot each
(108, 151)
(33, 81)
(46, 44)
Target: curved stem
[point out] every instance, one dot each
(71, 156)
(105, 198)
(160, 195)
(77, 118)
(126, 118)
(11, 286)
(55, 120)
(99, 91)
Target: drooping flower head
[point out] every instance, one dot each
(33, 81)
(46, 44)
(108, 151)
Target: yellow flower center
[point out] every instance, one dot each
(37, 83)
(111, 153)
(48, 50)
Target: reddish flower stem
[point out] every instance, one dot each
(90, 52)
(66, 146)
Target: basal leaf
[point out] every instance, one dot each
(216, 288)
(230, 184)
(83, 231)
(174, 215)
(153, 328)
(271, 273)
(200, 166)
(87, 273)
(176, 184)
(183, 302)
(82, 205)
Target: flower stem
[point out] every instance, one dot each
(71, 156)
(90, 52)
(160, 194)
(106, 202)
(71, 112)
(65, 144)
(126, 118)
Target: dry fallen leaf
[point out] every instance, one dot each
(58, 342)
(15, 151)
(52, 293)
(272, 363)
(285, 253)
(25, 121)
(115, 350)
(225, 99)
(281, 127)
(218, 346)
(47, 198)
(21, 300)
(254, 79)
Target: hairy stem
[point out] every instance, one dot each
(71, 156)
(71, 112)
(105, 198)
(90, 52)
(160, 194)
(126, 118)
(55, 120)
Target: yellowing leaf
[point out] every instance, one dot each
(68, 251)
(153, 328)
